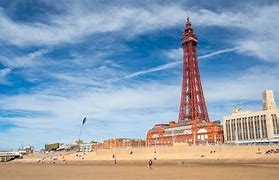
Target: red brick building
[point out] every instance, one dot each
(119, 143)
(192, 134)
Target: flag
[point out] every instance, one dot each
(84, 120)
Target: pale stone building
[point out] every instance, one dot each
(253, 127)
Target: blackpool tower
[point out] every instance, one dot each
(192, 103)
(193, 126)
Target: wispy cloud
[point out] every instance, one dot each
(75, 25)
(142, 106)
(68, 28)
(114, 107)
(22, 64)
(28, 60)
(260, 22)
(3, 75)
(177, 55)
(245, 87)
(155, 69)
(222, 51)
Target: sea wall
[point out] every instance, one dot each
(222, 152)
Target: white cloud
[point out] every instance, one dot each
(82, 70)
(3, 75)
(247, 86)
(106, 100)
(155, 69)
(73, 27)
(218, 52)
(130, 111)
(176, 54)
(240, 90)
(122, 109)
(5, 72)
(260, 22)
(19, 61)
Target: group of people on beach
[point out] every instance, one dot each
(149, 163)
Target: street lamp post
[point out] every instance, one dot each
(83, 122)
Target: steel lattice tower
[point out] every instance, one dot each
(192, 103)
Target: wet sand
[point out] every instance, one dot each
(33, 171)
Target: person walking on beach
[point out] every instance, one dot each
(114, 157)
(150, 163)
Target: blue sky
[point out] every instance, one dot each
(119, 64)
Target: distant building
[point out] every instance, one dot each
(86, 147)
(52, 147)
(80, 145)
(119, 143)
(26, 150)
(253, 127)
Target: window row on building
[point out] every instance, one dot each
(246, 128)
(275, 123)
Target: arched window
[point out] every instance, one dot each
(202, 131)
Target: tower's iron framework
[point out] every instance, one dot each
(192, 103)
(193, 126)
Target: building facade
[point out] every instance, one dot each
(119, 143)
(253, 127)
(85, 147)
(189, 134)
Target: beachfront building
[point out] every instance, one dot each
(175, 133)
(85, 147)
(119, 143)
(253, 127)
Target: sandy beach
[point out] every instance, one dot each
(204, 162)
(138, 171)
(191, 154)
